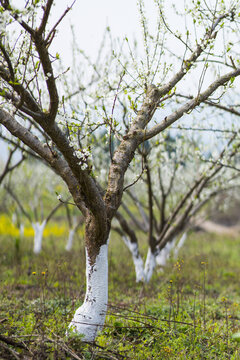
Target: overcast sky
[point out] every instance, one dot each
(91, 17)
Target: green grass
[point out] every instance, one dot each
(189, 311)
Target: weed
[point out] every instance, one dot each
(190, 311)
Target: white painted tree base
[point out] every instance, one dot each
(38, 235)
(90, 317)
(21, 231)
(162, 257)
(179, 245)
(150, 265)
(137, 259)
(70, 240)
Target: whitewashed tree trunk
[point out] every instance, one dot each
(14, 218)
(21, 231)
(89, 318)
(179, 245)
(38, 235)
(150, 265)
(162, 257)
(137, 259)
(164, 254)
(170, 245)
(70, 239)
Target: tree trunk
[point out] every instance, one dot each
(70, 239)
(137, 259)
(162, 257)
(164, 254)
(38, 235)
(179, 245)
(150, 265)
(21, 231)
(90, 316)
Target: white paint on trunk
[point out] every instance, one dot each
(21, 231)
(14, 218)
(170, 245)
(89, 318)
(38, 235)
(164, 254)
(70, 240)
(137, 259)
(162, 257)
(150, 265)
(180, 244)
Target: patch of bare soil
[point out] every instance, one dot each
(213, 227)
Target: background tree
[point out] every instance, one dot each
(74, 223)
(33, 205)
(178, 182)
(10, 164)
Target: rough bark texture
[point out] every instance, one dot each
(96, 235)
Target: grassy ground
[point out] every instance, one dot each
(189, 311)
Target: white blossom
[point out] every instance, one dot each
(78, 154)
(84, 166)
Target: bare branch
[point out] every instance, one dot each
(16, 199)
(126, 228)
(8, 168)
(46, 14)
(57, 163)
(190, 105)
(229, 109)
(134, 218)
(52, 32)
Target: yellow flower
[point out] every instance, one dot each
(34, 273)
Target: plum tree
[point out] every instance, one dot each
(59, 126)
(178, 182)
(32, 188)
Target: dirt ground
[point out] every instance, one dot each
(217, 228)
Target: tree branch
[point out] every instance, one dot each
(9, 168)
(46, 14)
(57, 163)
(190, 105)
